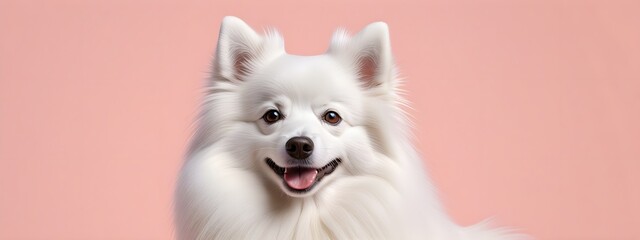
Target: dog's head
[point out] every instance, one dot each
(301, 121)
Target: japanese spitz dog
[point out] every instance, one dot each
(307, 147)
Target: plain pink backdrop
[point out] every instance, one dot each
(528, 111)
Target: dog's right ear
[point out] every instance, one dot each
(368, 52)
(241, 50)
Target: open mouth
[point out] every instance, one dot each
(301, 179)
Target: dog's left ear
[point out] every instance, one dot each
(368, 52)
(241, 49)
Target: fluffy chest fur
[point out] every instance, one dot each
(228, 202)
(225, 201)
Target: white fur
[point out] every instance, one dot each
(379, 191)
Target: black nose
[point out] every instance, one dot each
(299, 147)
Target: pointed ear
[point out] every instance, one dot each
(241, 50)
(368, 52)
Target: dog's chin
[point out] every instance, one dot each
(301, 181)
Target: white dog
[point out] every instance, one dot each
(307, 147)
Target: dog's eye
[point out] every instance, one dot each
(332, 118)
(271, 116)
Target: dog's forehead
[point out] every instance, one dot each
(308, 70)
(306, 78)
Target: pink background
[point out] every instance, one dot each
(528, 111)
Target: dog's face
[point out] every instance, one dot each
(301, 121)
(302, 109)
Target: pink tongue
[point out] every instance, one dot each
(300, 178)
